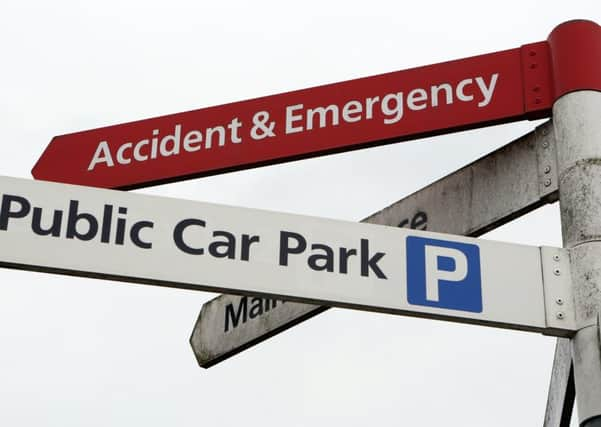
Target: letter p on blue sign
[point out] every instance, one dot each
(444, 274)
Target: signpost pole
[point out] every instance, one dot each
(560, 401)
(578, 133)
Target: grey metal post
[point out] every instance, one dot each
(562, 393)
(577, 126)
(575, 55)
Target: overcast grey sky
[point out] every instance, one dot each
(87, 352)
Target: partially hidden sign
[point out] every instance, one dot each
(495, 189)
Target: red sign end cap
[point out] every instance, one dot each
(575, 48)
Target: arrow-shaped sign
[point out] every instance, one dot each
(498, 87)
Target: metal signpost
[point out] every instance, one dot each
(576, 70)
(90, 232)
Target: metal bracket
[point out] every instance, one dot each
(546, 156)
(560, 311)
(599, 328)
(538, 92)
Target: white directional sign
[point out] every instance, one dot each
(179, 243)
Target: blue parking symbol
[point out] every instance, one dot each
(443, 274)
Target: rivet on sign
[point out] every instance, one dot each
(559, 301)
(545, 144)
(532, 53)
(547, 169)
(545, 131)
(547, 182)
(555, 257)
(557, 272)
(533, 65)
(560, 315)
(536, 89)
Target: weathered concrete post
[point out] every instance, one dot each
(575, 49)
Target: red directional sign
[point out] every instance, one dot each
(467, 93)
